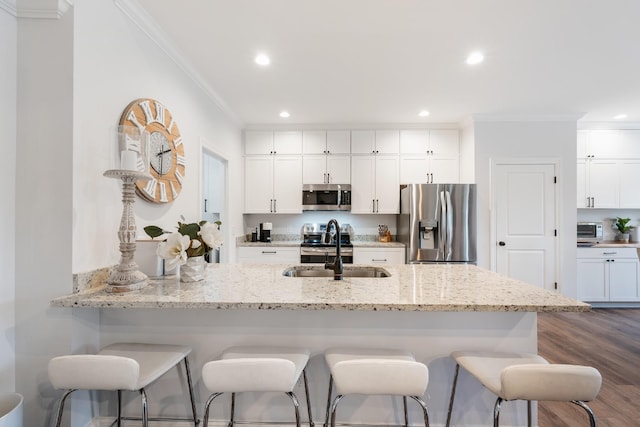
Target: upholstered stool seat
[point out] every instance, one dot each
(118, 367)
(375, 372)
(526, 376)
(257, 369)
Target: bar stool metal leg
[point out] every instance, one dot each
(453, 394)
(61, 406)
(326, 419)
(528, 413)
(496, 412)
(119, 413)
(334, 406)
(205, 422)
(296, 407)
(592, 417)
(191, 395)
(306, 392)
(424, 409)
(233, 410)
(406, 414)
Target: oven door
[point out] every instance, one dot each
(324, 254)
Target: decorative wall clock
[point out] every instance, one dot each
(166, 154)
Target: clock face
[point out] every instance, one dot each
(167, 159)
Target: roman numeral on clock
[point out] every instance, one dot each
(163, 192)
(150, 188)
(146, 108)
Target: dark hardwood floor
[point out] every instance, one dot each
(607, 339)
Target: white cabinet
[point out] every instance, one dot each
(326, 157)
(375, 186)
(385, 141)
(273, 184)
(429, 156)
(273, 172)
(268, 255)
(378, 255)
(608, 168)
(270, 143)
(608, 275)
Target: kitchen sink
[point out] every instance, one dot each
(348, 271)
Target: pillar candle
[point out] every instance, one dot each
(128, 160)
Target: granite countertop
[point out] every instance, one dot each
(422, 287)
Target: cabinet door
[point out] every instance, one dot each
(258, 142)
(387, 188)
(583, 138)
(629, 179)
(445, 171)
(287, 184)
(623, 280)
(414, 141)
(362, 184)
(338, 142)
(605, 144)
(445, 143)
(314, 169)
(339, 169)
(378, 256)
(592, 280)
(363, 141)
(287, 142)
(414, 169)
(582, 200)
(604, 183)
(387, 141)
(629, 142)
(314, 142)
(258, 178)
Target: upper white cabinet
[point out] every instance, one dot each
(269, 142)
(385, 141)
(375, 186)
(273, 172)
(429, 156)
(326, 157)
(608, 168)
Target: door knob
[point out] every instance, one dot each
(501, 243)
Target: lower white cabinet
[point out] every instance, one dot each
(608, 275)
(268, 255)
(378, 255)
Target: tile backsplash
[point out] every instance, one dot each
(608, 217)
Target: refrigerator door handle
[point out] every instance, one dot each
(442, 230)
(449, 243)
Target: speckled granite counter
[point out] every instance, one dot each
(296, 243)
(445, 288)
(614, 244)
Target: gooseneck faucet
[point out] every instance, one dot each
(336, 266)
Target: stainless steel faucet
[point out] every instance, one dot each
(336, 266)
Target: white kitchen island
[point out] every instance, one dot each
(429, 310)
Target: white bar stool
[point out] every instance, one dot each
(120, 366)
(526, 376)
(375, 372)
(256, 369)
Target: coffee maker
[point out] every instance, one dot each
(265, 231)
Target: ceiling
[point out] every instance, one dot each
(382, 61)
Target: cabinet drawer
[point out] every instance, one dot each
(378, 255)
(268, 255)
(607, 253)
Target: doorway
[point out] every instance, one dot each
(214, 195)
(524, 221)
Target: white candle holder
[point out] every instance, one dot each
(133, 165)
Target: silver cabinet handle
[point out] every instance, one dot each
(325, 177)
(328, 178)
(269, 252)
(205, 205)
(609, 253)
(378, 260)
(274, 205)
(431, 177)
(593, 202)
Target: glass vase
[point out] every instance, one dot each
(193, 270)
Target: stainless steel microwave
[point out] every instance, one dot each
(590, 231)
(326, 197)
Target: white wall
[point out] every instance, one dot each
(115, 63)
(8, 53)
(467, 153)
(43, 205)
(522, 139)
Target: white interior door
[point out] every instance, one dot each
(525, 226)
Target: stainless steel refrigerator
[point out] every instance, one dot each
(437, 222)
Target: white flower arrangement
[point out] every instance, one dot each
(191, 240)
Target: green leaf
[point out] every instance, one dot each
(153, 231)
(190, 230)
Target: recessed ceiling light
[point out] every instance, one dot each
(475, 58)
(285, 114)
(620, 116)
(262, 59)
(423, 113)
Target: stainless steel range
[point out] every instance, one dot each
(313, 248)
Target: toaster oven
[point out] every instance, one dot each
(589, 231)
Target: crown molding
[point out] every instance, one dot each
(42, 9)
(9, 6)
(527, 117)
(608, 125)
(150, 27)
